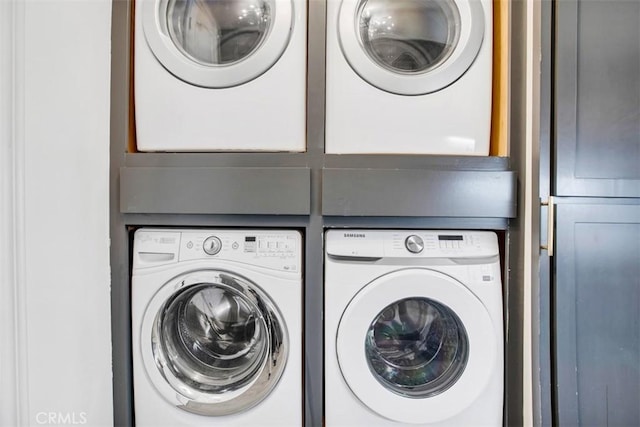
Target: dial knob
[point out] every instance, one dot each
(414, 244)
(212, 245)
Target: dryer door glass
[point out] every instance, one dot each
(408, 36)
(417, 347)
(219, 32)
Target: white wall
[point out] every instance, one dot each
(8, 379)
(59, 199)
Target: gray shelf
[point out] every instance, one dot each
(428, 192)
(418, 192)
(215, 190)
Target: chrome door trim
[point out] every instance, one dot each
(472, 36)
(225, 402)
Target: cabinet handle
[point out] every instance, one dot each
(550, 203)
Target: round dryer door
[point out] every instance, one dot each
(213, 343)
(411, 47)
(217, 43)
(416, 346)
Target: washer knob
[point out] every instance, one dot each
(212, 245)
(414, 244)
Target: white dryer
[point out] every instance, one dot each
(220, 75)
(413, 328)
(409, 76)
(216, 327)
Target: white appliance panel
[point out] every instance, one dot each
(266, 113)
(362, 118)
(402, 265)
(166, 262)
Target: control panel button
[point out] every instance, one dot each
(414, 244)
(212, 245)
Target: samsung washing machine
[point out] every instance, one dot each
(413, 329)
(217, 327)
(409, 76)
(220, 75)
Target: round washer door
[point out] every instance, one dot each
(416, 346)
(213, 343)
(411, 47)
(217, 43)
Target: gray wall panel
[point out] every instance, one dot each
(435, 223)
(515, 291)
(414, 192)
(281, 191)
(120, 296)
(216, 160)
(541, 296)
(408, 161)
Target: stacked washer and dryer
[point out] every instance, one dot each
(217, 314)
(413, 319)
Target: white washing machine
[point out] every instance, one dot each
(413, 329)
(409, 76)
(217, 327)
(220, 75)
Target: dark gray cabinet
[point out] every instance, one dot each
(597, 98)
(594, 158)
(597, 301)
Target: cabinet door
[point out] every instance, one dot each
(597, 98)
(597, 314)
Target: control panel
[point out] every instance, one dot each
(411, 243)
(277, 249)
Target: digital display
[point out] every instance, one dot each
(450, 238)
(250, 239)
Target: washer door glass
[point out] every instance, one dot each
(216, 339)
(409, 36)
(218, 343)
(218, 32)
(416, 347)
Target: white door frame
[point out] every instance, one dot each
(13, 343)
